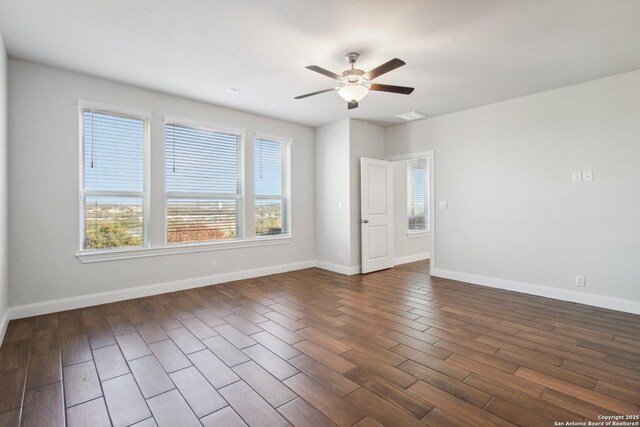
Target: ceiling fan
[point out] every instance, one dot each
(354, 84)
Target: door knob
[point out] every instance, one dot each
(364, 221)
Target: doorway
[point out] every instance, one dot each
(414, 216)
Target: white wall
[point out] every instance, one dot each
(339, 147)
(406, 249)
(43, 188)
(366, 140)
(4, 274)
(332, 188)
(515, 219)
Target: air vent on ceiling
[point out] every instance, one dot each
(411, 115)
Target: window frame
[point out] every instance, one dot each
(154, 200)
(145, 116)
(240, 196)
(285, 197)
(427, 203)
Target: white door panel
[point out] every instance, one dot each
(377, 241)
(376, 185)
(376, 221)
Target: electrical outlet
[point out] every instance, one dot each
(339, 257)
(442, 205)
(580, 281)
(587, 176)
(214, 265)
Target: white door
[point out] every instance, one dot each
(376, 214)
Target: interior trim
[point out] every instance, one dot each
(4, 323)
(337, 268)
(63, 304)
(543, 291)
(411, 258)
(72, 303)
(120, 254)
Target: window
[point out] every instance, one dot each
(114, 189)
(417, 195)
(272, 170)
(204, 172)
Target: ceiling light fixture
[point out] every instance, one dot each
(232, 91)
(411, 115)
(354, 84)
(353, 92)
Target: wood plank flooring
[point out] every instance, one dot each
(314, 348)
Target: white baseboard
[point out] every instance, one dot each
(337, 268)
(543, 291)
(3, 324)
(411, 258)
(53, 306)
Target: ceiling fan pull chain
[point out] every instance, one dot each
(173, 136)
(92, 139)
(260, 147)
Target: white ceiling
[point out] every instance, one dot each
(459, 53)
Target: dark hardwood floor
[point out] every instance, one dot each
(313, 348)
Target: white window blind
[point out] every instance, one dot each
(204, 171)
(114, 185)
(417, 196)
(272, 171)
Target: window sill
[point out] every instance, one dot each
(417, 234)
(86, 257)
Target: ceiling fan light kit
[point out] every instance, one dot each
(353, 93)
(354, 84)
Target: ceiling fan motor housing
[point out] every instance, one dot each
(353, 76)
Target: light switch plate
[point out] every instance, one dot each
(442, 205)
(577, 177)
(587, 176)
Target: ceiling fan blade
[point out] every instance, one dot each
(324, 72)
(393, 89)
(385, 68)
(352, 105)
(314, 93)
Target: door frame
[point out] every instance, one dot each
(432, 211)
